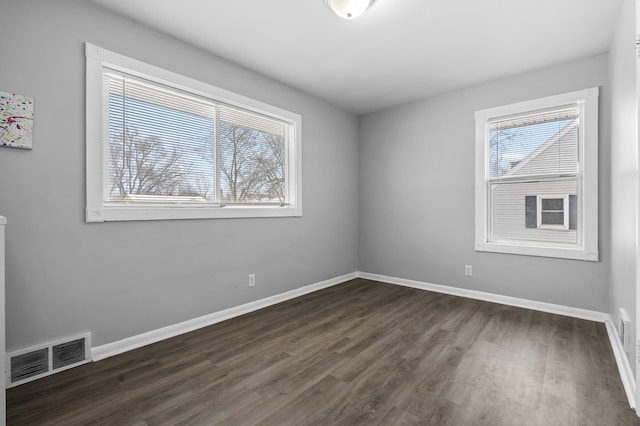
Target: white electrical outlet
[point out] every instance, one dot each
(468, 270)
(252, 280)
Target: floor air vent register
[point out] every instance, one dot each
(30, 364)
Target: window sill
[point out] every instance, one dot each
(542, 251)
(111, 213)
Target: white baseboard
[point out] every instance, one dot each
(140, 340)
(491, 297)
(153, 336)
(626, 375)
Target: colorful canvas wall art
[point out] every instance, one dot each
(16, 120)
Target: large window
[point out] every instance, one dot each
(164, 146)
(536, 177)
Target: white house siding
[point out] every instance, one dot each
(554, 156)
(508, 216)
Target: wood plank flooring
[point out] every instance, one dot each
(360, 353)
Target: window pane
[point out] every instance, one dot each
(552, 204)
(161, 143)
(552, 218)
(535, 144)
(252, 158)
(513, 211)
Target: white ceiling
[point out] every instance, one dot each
(398, 51)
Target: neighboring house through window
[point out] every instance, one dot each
(536, 177)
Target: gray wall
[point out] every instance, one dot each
(411, 168)
(416, 193)
(624, 171)
(120, 279)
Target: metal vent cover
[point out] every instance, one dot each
(33, 363)
(29, 364)
(68, 353)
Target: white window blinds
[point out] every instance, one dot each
(172, 147)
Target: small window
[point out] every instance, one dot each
(163, 146)
(534, 204)
(536, 177)
(553, 212)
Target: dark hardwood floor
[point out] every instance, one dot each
(358, 353)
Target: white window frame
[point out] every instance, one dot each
(565, 211)
(97, 167)
(587, 229)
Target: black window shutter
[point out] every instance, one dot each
(573, 212)
(531, 214)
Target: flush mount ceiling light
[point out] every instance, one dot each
(349, 9)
